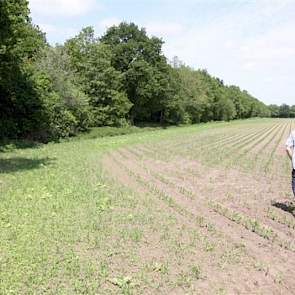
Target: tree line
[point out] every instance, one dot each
(120, 78)
(282, 111)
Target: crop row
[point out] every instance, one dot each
(212, 140)
(248, 222)
(186, 182)
(276, 145)
(261, 146)
(145, 181)
(240, 151)
(196, 145)
(226, 153)
(284, 220)
(253, 225)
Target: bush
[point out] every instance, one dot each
(63, 124)
(66, 109)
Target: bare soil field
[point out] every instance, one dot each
(225, 217)
(202, 209)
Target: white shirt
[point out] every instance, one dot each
(291, 143)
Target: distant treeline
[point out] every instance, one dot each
(282, 111)
(121, 78)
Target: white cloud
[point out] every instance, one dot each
(249, 65)
(107, 23)
(164, 29)
(275, 46)
(159, 29)
(48, 28)
(57, 33)
(63, 7)
(249, 48)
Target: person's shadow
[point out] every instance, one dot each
(285, 206)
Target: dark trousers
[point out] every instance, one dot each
(293, 181)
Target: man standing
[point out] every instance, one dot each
(290, 145)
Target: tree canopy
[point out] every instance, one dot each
(282, 111)
(120, 78)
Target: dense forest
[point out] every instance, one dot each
(120, 78)
(282, 111)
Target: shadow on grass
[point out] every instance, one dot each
(10, 145)
(285, 206)
(108, 131)
(16, 164)
(152, 125)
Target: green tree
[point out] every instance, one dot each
(145, 70)
(274, 110)
(67, 105)
(225, 109)
(20, 107)
(92, 61)
(284, 111)
(236, 96)
(193, 93)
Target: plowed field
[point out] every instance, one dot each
(228, 190)
(205, 209)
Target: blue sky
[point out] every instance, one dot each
(247, 43)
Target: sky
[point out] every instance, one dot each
(246, 43)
